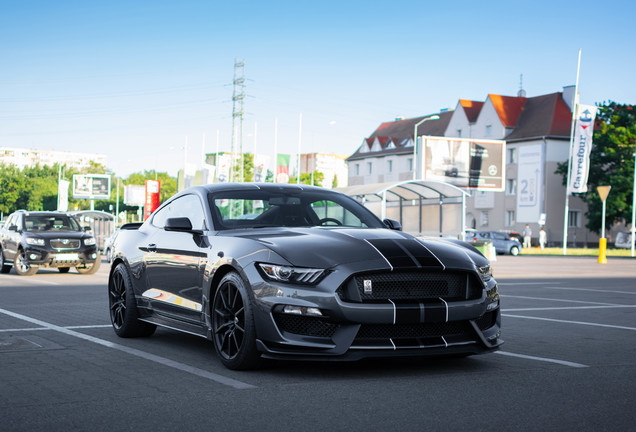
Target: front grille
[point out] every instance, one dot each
(304, 325)
(65, 244)
(487, 320)
(420, 285)
(403, 331)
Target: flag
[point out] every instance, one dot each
(582, 145)
(282, 168)
(261, 164)
(62, 195)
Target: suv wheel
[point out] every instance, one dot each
(22, 266)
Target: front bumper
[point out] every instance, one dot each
(43, 257)
(351, 329)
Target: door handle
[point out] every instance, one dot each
(152, 247)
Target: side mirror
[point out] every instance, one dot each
(181, 224)
(393, 224)
(88, 228)
(13, 228)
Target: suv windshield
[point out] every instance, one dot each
(50, 223)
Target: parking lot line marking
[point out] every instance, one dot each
(135, 352)
(526, 283)
(559, 300)
(543, 359)
(29, 280)
(569, 308)
(592, 290)
(571, 322)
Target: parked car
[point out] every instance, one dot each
(109, 245)
(503, 243)
(30, 240)
(623, 240)
(298, 272)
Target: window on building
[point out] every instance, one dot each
(410, 164)
(389, 166)
(512, 155)
(510, 217)
(459, 133)
(574, 219)
(511, 186)
(357, 169)
(370, 167)
(483, 218)
(488, 130)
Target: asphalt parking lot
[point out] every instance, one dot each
(568, 364)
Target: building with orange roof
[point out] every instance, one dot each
(537, 135)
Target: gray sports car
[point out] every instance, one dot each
(298, 272)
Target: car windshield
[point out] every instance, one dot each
(50, 223)
(264, 208)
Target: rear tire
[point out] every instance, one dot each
(124, 315)
(22, 266)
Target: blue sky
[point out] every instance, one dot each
(133, 79)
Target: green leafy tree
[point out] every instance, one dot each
(316, 178)
(611, 163)
(12, 184)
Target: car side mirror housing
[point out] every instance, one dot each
(13, 228)
(88, 228)
(181, 224)
(393, 224)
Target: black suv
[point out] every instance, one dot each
(29, 240)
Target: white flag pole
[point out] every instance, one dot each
(567, 185)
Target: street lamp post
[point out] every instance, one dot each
(433, 117)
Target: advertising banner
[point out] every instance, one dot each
(468, 163)
(91, 186)
(261, 165)
(62, 195)
(223, 165)
(134, 195)
(581, 148)
(282, 168)
(152, 197)
(529, 183)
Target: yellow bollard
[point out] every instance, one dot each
(602, 245)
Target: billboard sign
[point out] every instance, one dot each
(134, 195)
(152, 197)
(467, 163)
(91, 186)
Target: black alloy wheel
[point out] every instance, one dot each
(22, 266)
(233, 329)
(123, 308)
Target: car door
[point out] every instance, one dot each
(500, 240)
(174, 261)
(11, 237)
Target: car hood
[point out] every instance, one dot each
(329, 247)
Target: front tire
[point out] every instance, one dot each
(233, 329)
(90, 268)
(22, 266)
(124, 315)
(4, 268)
(514, 251)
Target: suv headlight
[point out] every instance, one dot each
(89, 241)
(289, 274)
(34, 241)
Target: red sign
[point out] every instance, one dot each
(152, 197)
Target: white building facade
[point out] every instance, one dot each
(23, 158)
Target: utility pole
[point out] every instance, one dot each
(238, 98)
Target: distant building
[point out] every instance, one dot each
(537, 134)
(23, 158)
(333, 166)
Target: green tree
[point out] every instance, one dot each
(611, 163)
(11, 189)
(316, 178)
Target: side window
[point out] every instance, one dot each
(331, 213)
(186, 206)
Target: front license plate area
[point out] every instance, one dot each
(67, 257)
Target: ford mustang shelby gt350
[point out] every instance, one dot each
(298, 272)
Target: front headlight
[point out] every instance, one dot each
(291, 274)
(33, 241)
(485, 272)
(89, 241)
